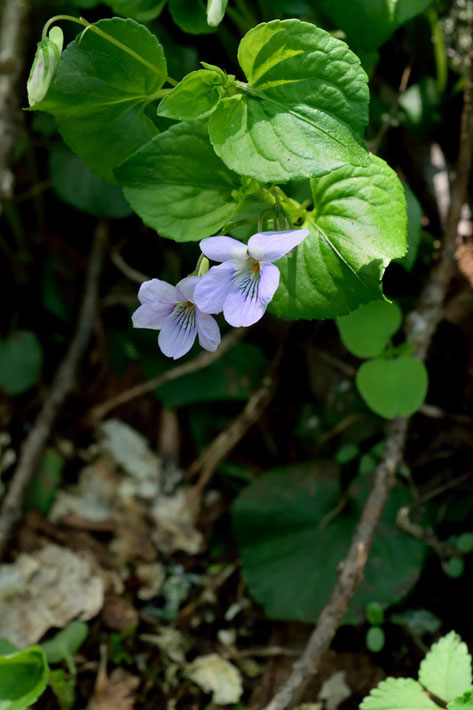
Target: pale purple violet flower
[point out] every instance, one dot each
(171, 310)
(246, 280)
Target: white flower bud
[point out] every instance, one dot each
(45, 64)
(216, 11)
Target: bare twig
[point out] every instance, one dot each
(378, 139)
(126, 269)
(229, 438)
(420, 327)
(14, 21)
(205, 359)
(60, 388)
(404, 521)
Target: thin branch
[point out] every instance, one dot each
(205, 359)
(404, 521)
(220, 447)
(420, 327)
(14, 21)
(378, 139)
(131, 273)
(61, 386)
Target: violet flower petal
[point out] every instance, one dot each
(239, 310)
(185, 288)
(242, 306)
(156, 291)
(269, 283)
(178, 332)
(208, 330)
(223, 249)
(212, 289)
(271, 246)
(152, 315)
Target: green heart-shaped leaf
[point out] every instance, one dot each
(196, 96)
(290, 521)
(367, 331)
(304, 111)
(101, 91)
(358, 225)
(393, 387)
(178, 185)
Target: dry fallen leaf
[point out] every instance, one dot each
(174, 524)
(117, 693)
(131, 451)
(46, 589)
(217, 676)
(334, 691)
(151, 576)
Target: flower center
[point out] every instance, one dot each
(255, 267)
(185, 315)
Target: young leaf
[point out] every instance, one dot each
(446, 669)
(393, 387)
(23, 677)
(358, 225)
(76, 184)
(371, 22)
(398, 694)
(304, 110)
(287, 527)
(101, 91)
(367, 331)
(21, 359)
(66, 642)
(178, 185)
(141, 10)
(196, 96)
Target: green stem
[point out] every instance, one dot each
(439, 50)
(82, 21)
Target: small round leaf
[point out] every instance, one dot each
(454, 567)
(465, 543)
(375, 639)
(367, 331)
(393, 387)
(375, 613)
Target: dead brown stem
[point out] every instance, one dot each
(205, 359)
(220, 447)
(61, 386)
